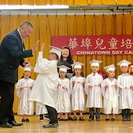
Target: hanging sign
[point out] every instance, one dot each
(96, 45)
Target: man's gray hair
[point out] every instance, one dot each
(26, 23)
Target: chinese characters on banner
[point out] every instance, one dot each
(96, 45)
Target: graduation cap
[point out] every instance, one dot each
(123, 63)
(63, 68)
(77, 65)
(28, 68)
(95, 62)
(56, 51)
(110, 68)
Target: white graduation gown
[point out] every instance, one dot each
(126, 97)
(78, 95)
(46, 83)
(94, 98)
(63, 96)
(40, 109)
(25, 107)
(110, 96)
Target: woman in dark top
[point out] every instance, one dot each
(67, 60)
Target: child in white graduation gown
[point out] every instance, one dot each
(24, 87)
(125, 82)
(45, 86)
(77, 89)
(110, 93)
(63, 94)
(93, 90)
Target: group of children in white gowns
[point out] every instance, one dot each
(117, 93)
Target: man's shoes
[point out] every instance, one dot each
(51, 125)
(14, 123)
(6, 125)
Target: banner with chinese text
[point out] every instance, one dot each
(96, 45)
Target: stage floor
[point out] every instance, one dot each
(34, 126)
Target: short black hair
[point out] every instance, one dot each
(26, 23)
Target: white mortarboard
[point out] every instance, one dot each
(131, 66)
(95, 62)
(123, 63)
(63, 68)
(27, 69)
(77, 65)
(56, 51)
(110, 68)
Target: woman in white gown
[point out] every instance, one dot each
(77, 91)
(63, 94)
(24, 87)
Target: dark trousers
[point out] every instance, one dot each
(6, 102)
(126, 113)
(92, 112)
(52, 113)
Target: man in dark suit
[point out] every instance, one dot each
(12, 55)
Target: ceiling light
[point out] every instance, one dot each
(23, 7)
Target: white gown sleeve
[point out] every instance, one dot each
(103, 87)
(118, 83)
(86, 85)
(18, 85)
(71, 85)
(43, 66)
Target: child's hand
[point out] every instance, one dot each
(35, 46)
(42, 47)
(64, 87)
(31, 87)
(120, 88)
(21, 88)
(83, 83)
(89, 86)
(59, 85)
(115, 86)
(73, 83)
(131, 86)
(106, 86)
(99, 84)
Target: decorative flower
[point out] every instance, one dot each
(103, 74)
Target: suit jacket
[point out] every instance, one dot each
(12, 55)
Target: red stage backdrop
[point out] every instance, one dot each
(96, 45)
